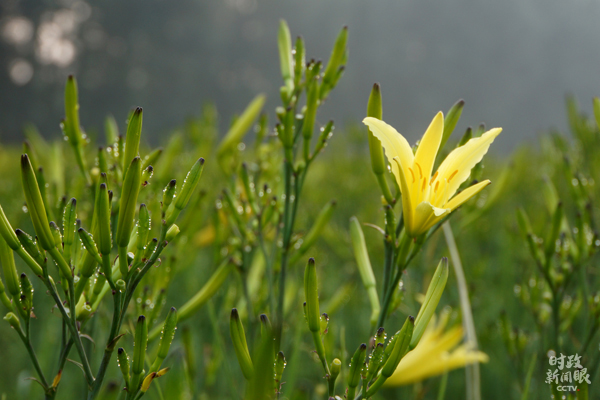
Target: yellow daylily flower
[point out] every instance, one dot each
(435, 354)
(426, 199)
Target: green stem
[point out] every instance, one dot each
(27, 342)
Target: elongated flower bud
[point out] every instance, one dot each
(284, 44)
(432, 298)
(358, 359)
(168, 333)
(132, 138)
(151, 158)
(7, 231)
(316, 230)
(35, 205)
(325, 134)
(338, 54)
(311, 293)
(102, 163)
(365, 269)
(399, 350)
(207, 291)
(241, 126)
(238, 337)
(187, 189)
(102, 211)
(9, 269)
(375, 110)
(27, 293)
(150, 248)
(123, 361)
(71, 123)
(88, 242)
(400, 347)
(451, 120)
(143, 226)
(129, 195)
(139, 351)
(56, 235)
(168, 194)
(69, 220)
(260, 386)
(299, 60)
(279, 368)
(312, 102)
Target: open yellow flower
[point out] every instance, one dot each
(435, 354)
(426, 199)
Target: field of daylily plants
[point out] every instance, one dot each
(288, 258)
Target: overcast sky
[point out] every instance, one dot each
(512, 61)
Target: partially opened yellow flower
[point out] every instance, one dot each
(426, 199)
(435, 354)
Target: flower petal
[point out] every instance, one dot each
(466, 194)
(430, 144)
(407, 204)
(425, 215)
(394, 144)
(456, 168)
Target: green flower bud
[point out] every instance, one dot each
(35, 205)
(311, 293)
(88, 242)
(284, 44)
(279, 367)
(432, 298)
(7, 231)
(9, 269)
(312, 102)
(123, 361)
(143, 227)
(299, 60)
(238, 337)
(206, 292)
(316, 230)
(336, 61)
(147, 174)
(241, 126)
(400, 348)
(12, 319)
(69, 221)
(187, 189)
(375, 361)
(557, 219)
(324, 323)
(102, 163)
(132, 138)
(168, 333)
(172, 233)
(375, 110)
(27, 294)
(452, 117)
(102, 211)
(72, 128)
(358, 359)
(466, 137)
(326, 133)
(30, 246)
(260, 386)
(139, 351)
(150, 249)
(129, 195)
(249, 188)
(58, 240)
(365, 269)
(168, 194)
(152, 158)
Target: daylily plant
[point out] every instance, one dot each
(426, 199)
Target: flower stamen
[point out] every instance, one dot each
(452, 175)
(412, 173)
